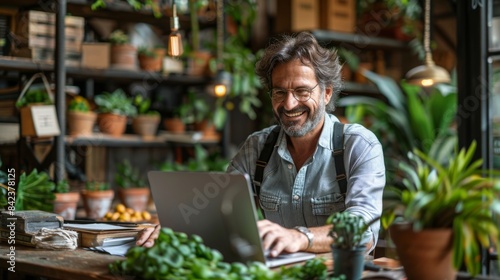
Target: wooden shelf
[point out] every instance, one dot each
(357, 41)
(26, 64)
(133, 140)
(114, 11)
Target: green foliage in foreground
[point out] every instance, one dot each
(179, 256)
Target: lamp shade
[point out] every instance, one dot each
(427, 75)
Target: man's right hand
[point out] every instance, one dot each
(147, 236)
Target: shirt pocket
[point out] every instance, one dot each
(328, 204)
(271, 207)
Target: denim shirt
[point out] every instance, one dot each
(308, 196)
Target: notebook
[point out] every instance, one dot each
(217, 206)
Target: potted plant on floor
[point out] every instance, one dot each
(113, 109)
(123, 54)
(81, 119)
(349, 246)
(97, 198)
(65, 202)
(133, 190)
(444, 215)
(145, 123)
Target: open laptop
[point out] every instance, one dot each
(217, 206)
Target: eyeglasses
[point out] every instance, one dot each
(302, 94)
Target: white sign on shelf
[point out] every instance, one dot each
(45, 120)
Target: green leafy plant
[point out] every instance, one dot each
(145, 51)
(35, 191)
(79, 104)
(177, 255)
(143, 105)
(62, 186)
(135, 4)
(4, 188)
(34, 95)
(347, 229)
(202, 161)
(410, 118)
(96, 186)
(118, 37)
(407, 13)
(455, 196)
(115, 102)
(129, 177)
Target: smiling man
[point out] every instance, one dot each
(301, 182)
(308, 166)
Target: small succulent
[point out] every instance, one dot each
(347, 229)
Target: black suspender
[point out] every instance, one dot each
(264, 157)
(338, 154)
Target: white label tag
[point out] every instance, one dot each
(45, 120)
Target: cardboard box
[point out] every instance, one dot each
(338, 15)
(96, 55)
(297, 15)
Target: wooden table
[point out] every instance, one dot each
(69, 264)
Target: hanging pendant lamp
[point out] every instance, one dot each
(174, 39)
(428, 74)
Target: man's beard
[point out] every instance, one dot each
(293, 128)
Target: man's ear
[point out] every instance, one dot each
(328, 94)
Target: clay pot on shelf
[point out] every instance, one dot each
(81, 123)
(174, 125)
(124, 56)
(146, 125)
(112, 124)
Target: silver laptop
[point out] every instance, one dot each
(217, 206)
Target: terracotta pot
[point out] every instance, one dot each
(124, 57)
(146, 125)
(207, 129)
(135, 198)
(148, 63)
(97, 203)
(426, 254)
(65, 204)
(112, 124)
(174, 125)
(198, 63)
(81, 123)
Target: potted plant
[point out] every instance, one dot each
(35, 191)
(114, 108)
(65, 202)
(152, 5)
(400, 20)
(123, 54)
(81, 119)
(348, 247)
(97, 198)
(149, 60)
(133, 191)
(444, 215)
(145, 123)
(198, 59)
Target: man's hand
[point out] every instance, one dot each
(278, 239)
(147, 236)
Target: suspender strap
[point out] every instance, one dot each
(338, 155)
(264, 157)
